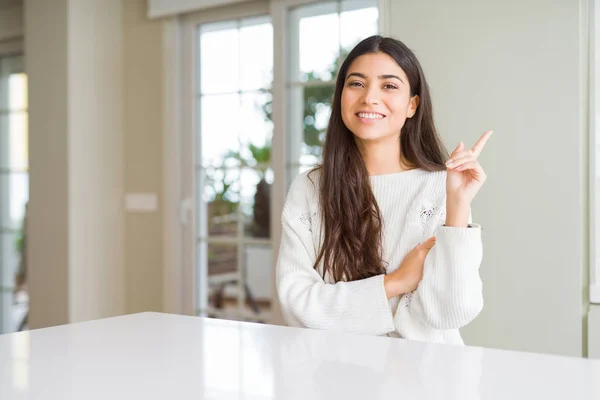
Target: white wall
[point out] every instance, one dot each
(516, 67)
(96, 132)
(96, 215)
(143, 144)
(73, 60)
(48, 240)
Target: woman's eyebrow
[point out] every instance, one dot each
(381, 77)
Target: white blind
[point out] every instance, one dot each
(163, 8)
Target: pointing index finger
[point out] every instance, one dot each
(481, 142)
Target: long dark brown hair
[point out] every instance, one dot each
(352, 238)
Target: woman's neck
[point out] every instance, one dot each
(383, 158)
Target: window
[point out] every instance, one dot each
(320, 37)
(237, 184)
(14, 191)
(233, 167)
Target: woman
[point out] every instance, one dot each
(378, 239)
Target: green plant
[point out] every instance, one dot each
(223, 201)
(19, 241)
(315, 99)
(258, 157)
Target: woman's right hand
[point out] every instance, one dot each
(407, 277)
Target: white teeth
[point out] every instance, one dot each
(370, 115)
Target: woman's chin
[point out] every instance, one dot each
(373, 136)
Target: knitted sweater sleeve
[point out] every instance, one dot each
(450, 295)
(306, 300)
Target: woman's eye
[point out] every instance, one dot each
(355, 84)
(389, 86)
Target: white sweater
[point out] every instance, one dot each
(412, 206)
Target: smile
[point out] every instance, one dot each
(370, 115)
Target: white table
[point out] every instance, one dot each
(160, 356)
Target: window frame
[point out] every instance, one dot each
(180, 246)
(195, 293)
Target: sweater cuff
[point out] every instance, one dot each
(460, 239)
(473, 230)
(384, 305)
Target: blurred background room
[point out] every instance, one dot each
(146, 148)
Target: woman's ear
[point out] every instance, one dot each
(412, 106)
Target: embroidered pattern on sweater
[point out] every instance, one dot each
(408, 298)
(427, 213)
(307, 220)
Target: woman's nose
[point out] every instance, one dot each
(371, 97)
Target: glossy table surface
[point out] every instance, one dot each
(162, 356)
